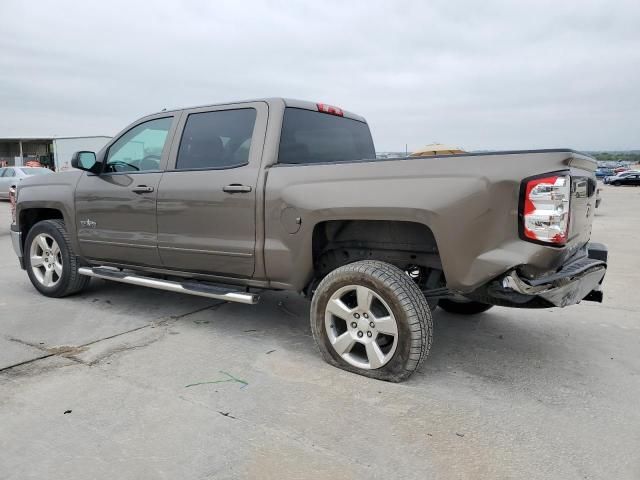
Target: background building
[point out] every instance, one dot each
(54, 153)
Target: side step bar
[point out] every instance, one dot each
(188, 287)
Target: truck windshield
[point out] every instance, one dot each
(314, 137)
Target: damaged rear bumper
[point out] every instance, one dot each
(578, 279)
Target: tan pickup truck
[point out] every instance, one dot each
(224, 201)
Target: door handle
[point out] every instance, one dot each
(142, 189)
(236, 188)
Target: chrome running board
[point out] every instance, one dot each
(189, 287)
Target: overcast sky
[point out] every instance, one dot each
(479, 74)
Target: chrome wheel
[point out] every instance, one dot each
(361, 327)
(46, 260)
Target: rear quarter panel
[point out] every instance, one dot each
(470, 202)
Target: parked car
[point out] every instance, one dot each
(602, 172)
(11, 176)
(226, 200)
(612, 178)
(630, 179)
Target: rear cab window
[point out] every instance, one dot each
(315, 137)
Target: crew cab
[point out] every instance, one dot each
(225, 201)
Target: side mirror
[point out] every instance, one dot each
(85, 161)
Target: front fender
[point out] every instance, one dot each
(54, 192)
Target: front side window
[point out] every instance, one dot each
(213, 140)
(9, 173)
(140, 149)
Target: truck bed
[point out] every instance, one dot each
(459, 197)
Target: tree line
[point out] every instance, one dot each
(633, 157)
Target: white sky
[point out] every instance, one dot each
(479, 74)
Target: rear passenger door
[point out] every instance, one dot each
(207, 196)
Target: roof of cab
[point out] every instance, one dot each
(288, 102)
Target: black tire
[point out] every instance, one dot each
(406, 302)
(616, 184)
(70, 281)
(463, 308)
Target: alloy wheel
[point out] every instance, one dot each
(361, 327)
(46, 260)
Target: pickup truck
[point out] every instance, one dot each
(225, 201)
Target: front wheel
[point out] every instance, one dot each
(463, 307)
(616, 184)
(370, 318)
(50, 261)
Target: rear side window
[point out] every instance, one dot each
(218, 139)
(313, 137)
(35, 171)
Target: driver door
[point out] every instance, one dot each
(116, 210)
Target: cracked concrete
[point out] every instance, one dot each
(144, 377)
(75, 352)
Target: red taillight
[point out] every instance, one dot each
(545, 209)
(330, 109)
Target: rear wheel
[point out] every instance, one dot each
(370, 318)
(50, 261)
(463, 307)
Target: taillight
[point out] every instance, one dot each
(544, 209)
(331, 110)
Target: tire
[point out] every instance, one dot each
(404, 330)
(63, 262)
(463, 308)
(616, 184)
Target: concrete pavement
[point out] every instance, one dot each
(158, 385)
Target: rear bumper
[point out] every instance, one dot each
(16, 241)
(580, 278)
